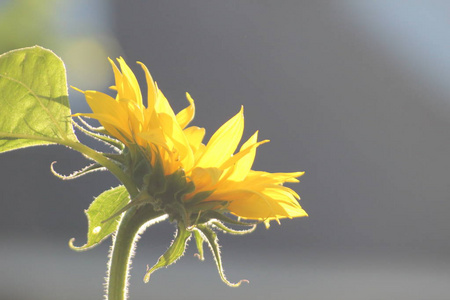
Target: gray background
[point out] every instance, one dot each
(355, 93)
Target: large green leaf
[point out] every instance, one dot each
(34, 106)
(101, 210)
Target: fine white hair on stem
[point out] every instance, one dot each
(131, 254)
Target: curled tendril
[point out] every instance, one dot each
(88, 169)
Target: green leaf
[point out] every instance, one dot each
(211, 237)
(100, 210)
(34, 106)
(175, 251)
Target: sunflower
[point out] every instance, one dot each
(214, 169)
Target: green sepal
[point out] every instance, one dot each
(102, 130)
(212, 214)
(177, 212)
(208, 205)
(33, 99)
(91, 128)
(229, 230)
(175, 186)
(93, 133)
(169, 195)
(198, 198)
(199, 240)
(152, 176)
(175, 251)
(185, 188)
(118, 158)
(105, 205)
(88, 169)
(211, 237)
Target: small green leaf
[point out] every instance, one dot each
(211, 237)
(175, 251)
(141, 199)
(100, 210)
(34, 106)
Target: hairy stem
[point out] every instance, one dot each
(123, 247)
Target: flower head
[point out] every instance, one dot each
(213, 168)
(194, 183)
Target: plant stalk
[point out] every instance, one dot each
(123, 248)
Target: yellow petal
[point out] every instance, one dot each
(130, 85)
(205, 178)
(275, 178)
(262, 207)
(155, 136)
(240, 164)
(199, 152)
(162, 105)
(102, 104)
(223, 142)
(173, 131)
(195, 136)
(185, 116)
(118, 78)
(152, 90)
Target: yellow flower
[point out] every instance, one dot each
(212, 168)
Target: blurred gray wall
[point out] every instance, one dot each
(371, 135)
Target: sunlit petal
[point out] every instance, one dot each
(195, 136)
(185, 116)
(130, 85)
(151, 92)
(224, 142)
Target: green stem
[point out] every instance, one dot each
(123, 247)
